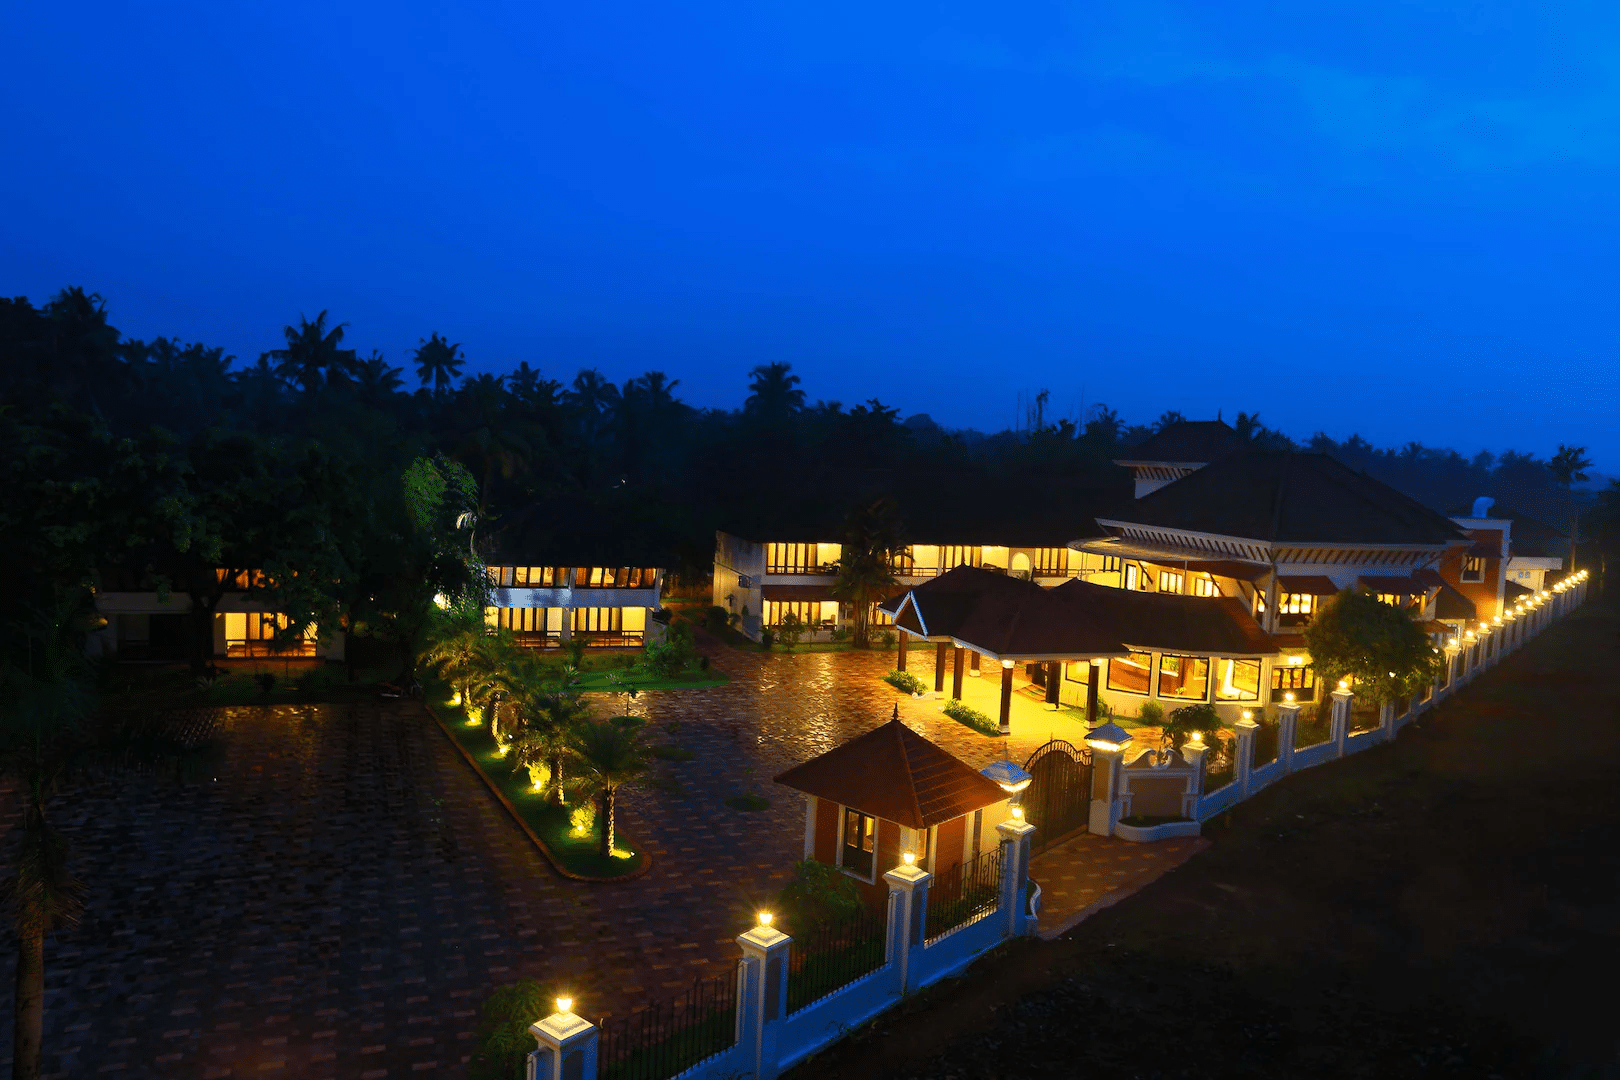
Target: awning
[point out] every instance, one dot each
(1308, 584)
(1198, 561)
(795, 592)
(1397, 586)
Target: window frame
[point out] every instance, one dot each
(843, 845)
(1472, 564)
(1158, 685)
(1215, 682)
(1152, 666)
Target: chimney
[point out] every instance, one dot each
(1482, 506)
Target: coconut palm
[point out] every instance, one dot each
(548, 711)
(313, 355)
(1569, 467)
(606, 757)
(873, 538)
(438, 362)
(773, 392)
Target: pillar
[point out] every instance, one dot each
(973, 665)
(1093, 677)
(1287, 725)
(940, 651)
(1006, 697)
(762, 997)
(1386, 720)
(1339, 718)
(1106, 766)
(1246, 730)
(1452, 654)
(958, 668)
(908, 920)
(1194, 752)
(1054, 676)
(900, 650)
(1015, 834)
(566, 1046)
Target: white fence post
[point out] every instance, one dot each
(1246, 730)
(1107, 744)
(1339, 718)
(908, 920)
(1287, 724)
(1193, 754)
(1015, 836)
(566, 1046)
(763, 985)
(1386, 720)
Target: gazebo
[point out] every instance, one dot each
(888, 793)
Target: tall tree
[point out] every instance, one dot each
(873, 538)
(314, 356)
(606, 757)
(773, 392)
(438, 363)
(1569, 467)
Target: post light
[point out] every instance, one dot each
(1007, 664)
(909, 858)
(765, 918)
(1289, 697)
(1017, 812)
(565, 1004)
(1196, 737)
(1248, 714)
(441, 601)
(1296, 661)
(1344, 684)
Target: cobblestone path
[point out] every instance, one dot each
(343, 896)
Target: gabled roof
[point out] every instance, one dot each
(1451, 604)
(1168, 622)
(1288, 497)
(1003, 616)
(1186, 442)
(897, 775)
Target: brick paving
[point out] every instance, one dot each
(343, 896)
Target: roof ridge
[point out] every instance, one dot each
(911, 764)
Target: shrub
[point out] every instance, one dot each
(888, 639)
(582, 819)
(963, 713)
(674, 654)
(906, 681)
(503, 1041)
(767, 638)
(267, 682)
(1152, 714)
(817, 895)
(1184, 721)
(791, 630)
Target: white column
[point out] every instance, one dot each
(1194, 753)
(763, 1000)
(1386, 720)
(1105, 781)
(1015, 836)
(1287, 725)
(566, 1046)
(908, 920)
(1246, 730)
(1339, 718)
(809, 826)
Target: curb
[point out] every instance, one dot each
(555, 863)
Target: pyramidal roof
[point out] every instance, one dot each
(897, 775)
(1186, 442)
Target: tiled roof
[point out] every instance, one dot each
(897, 775)
(1288, 497)
(1006, 617)
(1206, 625)
(1188, 441)
(1451, 604)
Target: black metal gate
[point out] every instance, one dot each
(1058, 799)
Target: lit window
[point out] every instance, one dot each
(1473, 568)
(1184, 677)
(1169, 582)
(1300, 680)
(1204, 585)
(1238, 680)
(1130, 673)
(860, 838)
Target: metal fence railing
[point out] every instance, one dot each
(1265, 743)
(1314, 726)
(963, 893)
(831, 957)
(669, 1037)
(1220, 764)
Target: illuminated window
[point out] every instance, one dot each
(812, 613)
(1169, 581)
(1132, 673)
(1473, 568)
(860, 840)
(1298, 679)
(1184, 677)
(1237, 680)
(598, 620)
(1204, 585)
(953, 555)
(1051, 562)
(1133, 576)
(790, 559)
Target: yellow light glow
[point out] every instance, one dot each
(1289, 697)
(1013, 789)
(441, 601)
(1248, 714)
(765, 918)
(501, 752)
(565, 1004)
(1007, 664)
(1344, 684)
(455, 698)
(909, 858)
(1196, 738)
(621, 853)
(1296, 661)
(1018, 812)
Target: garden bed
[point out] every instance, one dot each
(548, 825)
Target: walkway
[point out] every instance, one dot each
(343, 896)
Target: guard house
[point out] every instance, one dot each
(890, 792)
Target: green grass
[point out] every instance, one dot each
(597, 682)
(665, 752)
(578, 854)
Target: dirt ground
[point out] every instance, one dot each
(1444, 906)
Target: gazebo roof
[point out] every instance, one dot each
(897, 775)
(1004, 617)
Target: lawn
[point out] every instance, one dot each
(598, 682)
(1439, 907)
(577, 854)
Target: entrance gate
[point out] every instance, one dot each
(1058, 799)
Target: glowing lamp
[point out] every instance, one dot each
(1009, 777)
(909, 858)
(1109, 737)
(441, 601)
(1344, 684)
(765, 918)
(1289, 697)
(1248, 714)
(1296, 661)
(1196, 737)
(1017, 812)
(565, 1004)
(1007, 664)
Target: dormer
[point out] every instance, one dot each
(1178, 449)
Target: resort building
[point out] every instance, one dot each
(146, 624)
(1177, 450)
(548, 588)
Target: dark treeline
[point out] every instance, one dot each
(160, 461)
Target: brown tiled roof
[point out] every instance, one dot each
(1451, 604)
(897, 775)
(1006, 617)
(1188, 441)
(1288, 497)
(1307, 584)
(1170, 622)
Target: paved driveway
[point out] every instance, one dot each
(343, 896)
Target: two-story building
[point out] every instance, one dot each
(144, 623)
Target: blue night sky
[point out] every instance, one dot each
(1385, 216)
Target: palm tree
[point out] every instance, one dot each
(1569, 467)
(608, 756)
(548, 712)
(455, 649)
(378, 381)
(438, 362)
(312, 356)
(48, 735)
(773, 392)
(873, 538)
